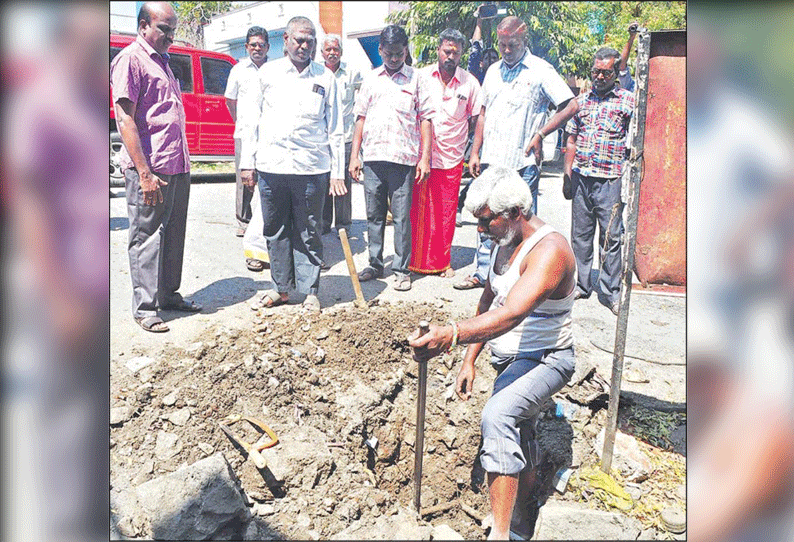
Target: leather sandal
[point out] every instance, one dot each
(154, 324)
(270, 299)
(468, 283)
(368, 273)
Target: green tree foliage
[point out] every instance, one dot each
(192, 18)
(564, 33)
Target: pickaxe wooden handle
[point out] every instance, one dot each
(421, 395)
(351, 268)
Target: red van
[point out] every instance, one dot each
(210, 126)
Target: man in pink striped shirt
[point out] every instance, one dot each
(456, 100)
(393, 115)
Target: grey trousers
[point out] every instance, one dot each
(292, 207)
(156, 242)
(340, 206)
(242, 207)
(597, 199)
(384, 181)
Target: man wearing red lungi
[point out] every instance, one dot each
(456, 99)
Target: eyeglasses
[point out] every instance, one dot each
(606, 73)
(485, 221)
(257, 45)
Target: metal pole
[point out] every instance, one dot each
(632, 203)
(419, 443)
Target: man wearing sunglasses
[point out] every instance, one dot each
(594, 162)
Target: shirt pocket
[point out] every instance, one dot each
(615, 121)
(311, 103)
(456, 106)
(403, 100)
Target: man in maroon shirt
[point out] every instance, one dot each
(156, 165)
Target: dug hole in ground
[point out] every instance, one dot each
(327, 384)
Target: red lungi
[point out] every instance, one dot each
(433, 209)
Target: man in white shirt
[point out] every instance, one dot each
(242, 73)
(520, 87)
(293, 136)
(348, 80)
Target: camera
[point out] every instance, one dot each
(488, 11)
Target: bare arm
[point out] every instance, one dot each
(355, 149)
(565, 111)
(624, 56)
(474, 159)
(423, 167)
(231, 105)
(150, 183)
(570, 152)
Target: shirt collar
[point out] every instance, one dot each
(455, 77)
(404, 70)
(248, 62)
(150, 50)
(311, 69)
(610, 91)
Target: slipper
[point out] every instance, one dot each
(254, 265)
(270, 299)
(468, 283)
(184, 306)
(154, 324)
(448, 273)
(402, 283)
(324, 266)
(311, 303)
(368, 273)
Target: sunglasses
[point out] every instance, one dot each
(606, 73)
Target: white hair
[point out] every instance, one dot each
(332, 37)
(501, 189)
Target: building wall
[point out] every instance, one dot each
(123, 16)
(226, 32)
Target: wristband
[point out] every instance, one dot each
(542, 137)
(454, 335)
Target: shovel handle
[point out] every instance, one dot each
(424, 327)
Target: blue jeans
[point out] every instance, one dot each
(509, 419)
(482, 257)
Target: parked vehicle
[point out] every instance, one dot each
(202, 76)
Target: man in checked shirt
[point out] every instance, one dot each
(594, 162)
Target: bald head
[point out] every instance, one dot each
(157, 25)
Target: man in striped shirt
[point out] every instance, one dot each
(594, 162)
(392, 110)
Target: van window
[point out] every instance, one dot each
(216, 72)
(182, 68)
(113, 52)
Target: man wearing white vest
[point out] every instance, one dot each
(524, 315)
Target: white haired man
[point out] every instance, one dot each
(339, 208)
(524, 315)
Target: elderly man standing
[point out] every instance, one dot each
(156, 165)
(348, 80)
(456, 99)
(293, 136)
(524, 315)
(517, 92)
(594, 163)
(393, 114)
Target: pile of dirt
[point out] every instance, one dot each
(327, 384)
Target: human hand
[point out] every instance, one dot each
(247, 178)
(150, 186)
(633, 27)
(337, 187)
(464, 381)
(474, 165)
(422, 170)
(355, 169)
(428, 345)
(536, 147)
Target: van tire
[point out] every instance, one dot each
(116, 175)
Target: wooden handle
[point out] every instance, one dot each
(351, 267)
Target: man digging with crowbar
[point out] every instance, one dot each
(524, 314)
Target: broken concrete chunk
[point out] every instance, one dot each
(178, 417)
(194, 503)
(171, 398)
(573, 521)
(444, 532)
(627, 456)
(167, 445)
(120, 414)
(136, 364)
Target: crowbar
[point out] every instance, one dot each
(424, 327)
